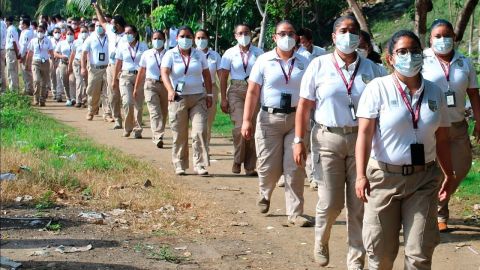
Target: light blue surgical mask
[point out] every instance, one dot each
(99, 30)
(70, 38)
(157, 43)
(185, 43)
(443, 45)
(130, 38)
(347, 42)
(83, 36)
(408, 64)
(201, 43)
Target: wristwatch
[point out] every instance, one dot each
(297, 140)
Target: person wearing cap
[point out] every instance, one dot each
(3, 37)
(39, 51)
(74, 66)
(275, 80)
(128, 57)
(62, 53)
(332, 86)
(455, 74)
(214, 59)
(24, 41)
(155, 93)
(237, 62)
(403, 141)
(307, 48)
(55, 82)
(185, 75)
(96, 50)
(12, 55)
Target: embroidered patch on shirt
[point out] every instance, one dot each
(394, 103)
(432, 105)
(301, 66)
(366, 79)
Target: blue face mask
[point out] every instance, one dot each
(99, 30)
(185, 43)
(130, 38)
(157, 43)
(409, 64)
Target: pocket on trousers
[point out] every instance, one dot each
(372, 234)
(316, 167)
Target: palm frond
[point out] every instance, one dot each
(81, 4)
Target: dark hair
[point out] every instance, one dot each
(9, 19)
(204, 31)
(26, 21)
(241, 24)
(69, 28)
(366, 36)
(159, 32)
(441, 22)
(91, 25)
(399, 34)
(108, 15)
(34, 24)
(56, 28)
(284, 22)
(42, 27)
(134, 28)
(120, 20)
(185, 28)
(339, 20)
(305, 32)
(84, 26)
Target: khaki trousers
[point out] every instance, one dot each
(41, 72)
(212, 111)
(244, 151)
(396, 201)
(27, 78)
(68, 81)
(193, 108)
(96, 88)
(132, 107)
(53, 77)
(461, 149)
(156, 97)
(80, 83)
(334, 170)
(114, 96)
(274, 142)
(12, 70)
(2, 70)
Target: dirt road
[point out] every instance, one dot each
(266, 243)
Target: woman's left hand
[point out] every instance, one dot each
(447, 188)
(209, 102)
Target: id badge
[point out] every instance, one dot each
(417, 152)
(101, 56)
(180, 86)
(43, 60)
(451, 100)
(353, 113)
(112, 55)
(286, 101)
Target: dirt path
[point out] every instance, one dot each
(257, 246)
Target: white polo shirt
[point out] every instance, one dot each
(324, 85)
(25, 38)
(64, 48)
(462, 77)
(114, 41)
(40, 48)
(151, 61)
(78, 48)
(193, 78)
(267, 72)
(394, 128)
(12, 36)
(3, 34)
(95, 45)
(232, 61)
(316, 51)
(172, 37)
(214, 60)
(130, 55)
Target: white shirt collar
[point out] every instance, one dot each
(342, 64)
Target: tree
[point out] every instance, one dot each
(463, 18)
(263, 13)
(422, 7)
(357, 11)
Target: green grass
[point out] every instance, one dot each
(222, 125)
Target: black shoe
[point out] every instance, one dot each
(160, 144)
(78, 105)
(74, 102)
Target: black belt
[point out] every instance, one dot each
(278, 110)
(153, 80)
(98, 67)
(131, 71)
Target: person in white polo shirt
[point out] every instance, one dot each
(187, 79)
(13, 54)
(402, 138)
(24, 41)
(96, 49)
(155, 93)
(455, 75)
(39, 52)
(3, 37)
(62, 53)
(55, 82)
(237, 63)
(214, 59)
(308, 49)
(128, 57)
(275, 80)
(332, 86)
(75, 68)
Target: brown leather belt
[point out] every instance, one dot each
(403, 169)
(339, 130)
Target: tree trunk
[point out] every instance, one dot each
(470, 40)
(422, 7)
(463, 18)
(263, 25)
(357, 11)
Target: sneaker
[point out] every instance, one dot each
(200, 170)
(108, 118)
(118, 125)
(160, 144)
(263, 205)
(442, 227)
(251, 173)
(126, 134)
(236, 168)
(314, 185)
(180, 171)
(42, 104)
(68, 103)
(281, 181)
(300, 221)
(89, 117)
(74, 102)
(320, 254)
(78, 105)
(138, 136)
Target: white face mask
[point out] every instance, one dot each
(243, 40)
(185, 43)
(362, 52)
(409, 64)
(202, 44)
(286, 43)
(347, 43)
(443, 45)
(56, 35)
(83, 36)
(40, 35)
(70, 38)
(157, 43)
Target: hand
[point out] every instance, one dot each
(299, 153)
(115, 84)
(209, 102)
(362, 188)
(135, 93)
(171, 96)
(224, 106)
(84, 72)
(247, 130)
(447, 188)
(476, 132)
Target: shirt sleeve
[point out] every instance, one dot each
(86, 45)
(203, 61)
(30, 46)
(307, 86)
(119, 53)
(256, 75)
(143, 61)
(50, 45)
(369, 103)
(167, 60)
(472, 76)
(226, 62)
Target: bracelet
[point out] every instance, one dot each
(209, 95)
(361, 178)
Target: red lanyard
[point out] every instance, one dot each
(187, 64)
(349, 85)
(415, 114)
(133, 55)
(446, 70)
(245, 61)
(290, 69)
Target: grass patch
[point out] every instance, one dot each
(222, 125)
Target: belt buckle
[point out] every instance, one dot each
(347, 130)
(270, 110)
(408, 170)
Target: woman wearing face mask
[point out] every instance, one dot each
(75, 68)
(128, 57)
(456, 76)
(214, 59)
(154, 91)
(237, 63)
(403, 133)
(275, 80)
(62, 53)
(39, 51)
(365, 48)
(186, 77)
(332, 86)
(54, 77)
